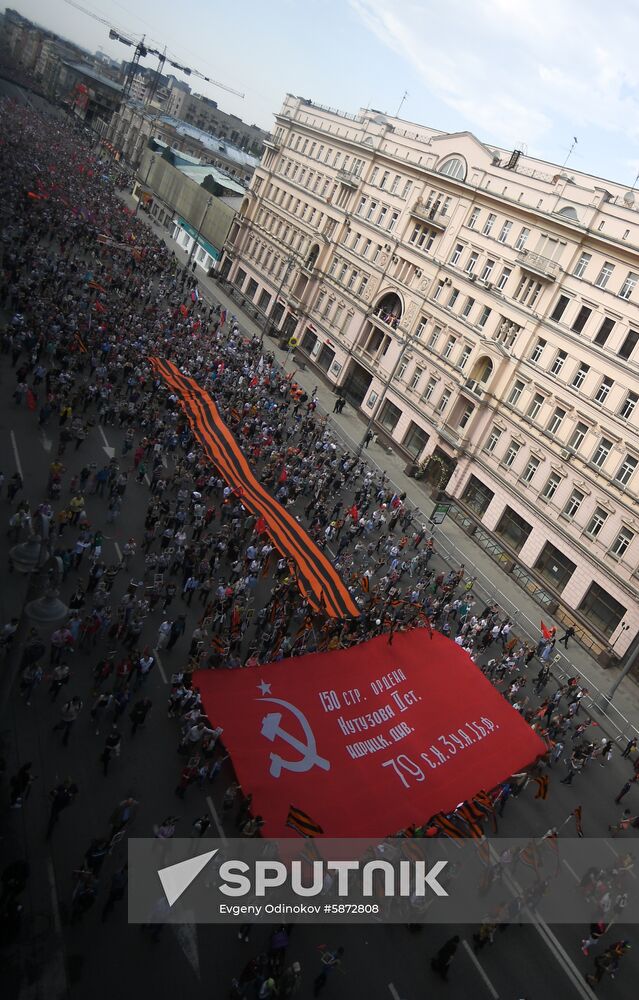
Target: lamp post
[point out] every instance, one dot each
(146, 180)
(604, 701)
(290, 261)
(199, 231)
(45, 573)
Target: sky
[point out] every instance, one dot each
(530, 74)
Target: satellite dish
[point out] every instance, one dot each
(629, 198)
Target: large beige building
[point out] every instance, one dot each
(481, 308)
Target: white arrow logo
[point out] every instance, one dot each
(177, 878)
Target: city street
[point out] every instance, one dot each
(90, 958)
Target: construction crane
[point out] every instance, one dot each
(141, 51)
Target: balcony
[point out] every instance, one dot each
(271, 143)
(348, 178)
(474, 387)
(541, 267)
(386, 319)
(435, 218)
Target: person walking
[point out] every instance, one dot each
(568, 634)
(629, 747)
(112, 748)
(330, 960)
(70, 712)
(440, 963)
(20, 785)
(178, 627)
(626, 788)
(139, 713)
(61, 797)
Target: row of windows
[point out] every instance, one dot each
(328, 308)
(604, 330)
(622, 476)
(295, 206)
(349, 276)
(501, 232)
(377, 213)
(449, 301)
(580, 375)
(606, 271)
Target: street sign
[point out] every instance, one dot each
(440, 512)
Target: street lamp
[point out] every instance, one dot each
(290, 261)
(602, 703)
(199, 231)
(146, 181)
(45, 573)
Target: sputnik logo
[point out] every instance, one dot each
(177, 878)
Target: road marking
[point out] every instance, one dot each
(393, 992)
(47, 443)
(216, 819)
(16, 455)
(572, 871)
(480, 969)
(160, 667)
(118, 551)
(57, 923)
(107, 447)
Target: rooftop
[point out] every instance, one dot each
(104, 81)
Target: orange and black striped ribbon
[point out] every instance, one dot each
(302, 823)
(317, 579)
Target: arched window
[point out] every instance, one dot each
(453, 167)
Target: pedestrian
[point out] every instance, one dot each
(20, 785)
(178, 628)
(568, 634)
(630, 746)
(330, 960)
(441, 962)
(70, 712)
(60, 797)
(139, 713)
(112, 748)
(201, 825)
(626, 788)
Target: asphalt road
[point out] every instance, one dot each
(115, 959)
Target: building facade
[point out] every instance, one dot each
(480, 307)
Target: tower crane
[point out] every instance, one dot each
(141, 50)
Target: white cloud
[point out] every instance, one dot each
(520, 70)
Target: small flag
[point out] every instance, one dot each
(302, 823)
(577, 814)
(32, 403)
(99, 307)
(184, 310)
(547, 633)
(195, 295)
(222, 318)
(99, 288)
(365, 583)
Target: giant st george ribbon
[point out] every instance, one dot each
(318, 581)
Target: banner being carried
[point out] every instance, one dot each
(317, 579)
(368, 740)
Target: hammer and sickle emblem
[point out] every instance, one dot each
(271, 729)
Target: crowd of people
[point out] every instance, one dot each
(89, 294)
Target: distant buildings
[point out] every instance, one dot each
(204, 114)
(133, 126)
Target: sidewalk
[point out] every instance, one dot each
(451, 542)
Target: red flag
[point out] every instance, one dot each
(32, 403)
(222, 318)
(577, 814)
(260, 527)
(184, 310)
(283, 475)
(94, 284)
(32, 194)
(548, 633)
(99, 307)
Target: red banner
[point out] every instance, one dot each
(367, 740)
